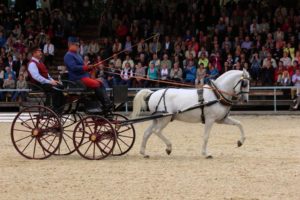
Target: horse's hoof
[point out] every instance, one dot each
(209, 157)
(146, 156)
(168, 151)
(239, 143)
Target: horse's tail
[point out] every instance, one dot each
(139, 102)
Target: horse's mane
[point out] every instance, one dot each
(229, 72)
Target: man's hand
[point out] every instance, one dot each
(54, 82)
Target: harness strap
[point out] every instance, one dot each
(163, 96)
(222, 99)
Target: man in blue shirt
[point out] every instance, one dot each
(80, 72)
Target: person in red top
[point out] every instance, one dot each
(38, 75)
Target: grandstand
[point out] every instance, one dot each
(261, 36)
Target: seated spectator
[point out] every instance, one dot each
(128, 60)
(116, 61)
(48, 51)
(142, 47)
(155, 60)
(164, 74)
(23, 72)
(278, 71)
(203, 60)
(268, 74)
(287, 61)
(152, 74)
(8, 71)
(21, 84)
(126, 75)
(269, 59)
(255, 68)
(246, 44)
(201, 72)
(166, 61)
(83, 48)
(128, 44)
(284, 79)
(296, 83)
(190, 72)
(211, 74)
(101, 75)
(9, 83)
(176, 73)
(117, 46)
(139, 74)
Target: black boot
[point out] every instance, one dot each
(104, 99)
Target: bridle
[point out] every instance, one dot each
(220, 96)
(243, 84)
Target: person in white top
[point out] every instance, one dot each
(296, 82)
(48, 51)
(38, 75)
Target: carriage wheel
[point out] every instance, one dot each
(36, 132)
(94, 138)
(68, 122)
(125, 135)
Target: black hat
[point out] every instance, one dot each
(73, 40)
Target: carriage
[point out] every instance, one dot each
(38, 132)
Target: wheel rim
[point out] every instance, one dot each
(94, 138)
(36, 132)
(69, 122)
(125, 135)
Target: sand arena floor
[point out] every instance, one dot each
(266, 167)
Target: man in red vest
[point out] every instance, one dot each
(38, 74)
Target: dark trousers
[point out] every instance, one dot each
(54, 97)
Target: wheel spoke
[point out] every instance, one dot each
(125, 136)
(22, 130)
(123, 142)
(22, 138)
(24, 122)
(88, 149)
(94, 151)
(119, 145)
(123, 130)
(27, 145)
(50, 144)
(105, 145)
(33, 154)
(66, 144)
(99, 148)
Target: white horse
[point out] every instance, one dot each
(231, 84)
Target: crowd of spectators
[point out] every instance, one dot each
(195, 41)
(21, 30)
(198, 41)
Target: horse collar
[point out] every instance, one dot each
(221, 98)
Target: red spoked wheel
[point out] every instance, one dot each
(36, 132)
(68, 122)
(125, 134)
(94, 138)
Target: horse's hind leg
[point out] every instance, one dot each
(231, 121)
(146, 136)
(160, 126)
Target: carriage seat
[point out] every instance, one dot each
(75, 87)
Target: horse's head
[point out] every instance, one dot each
(242, 86)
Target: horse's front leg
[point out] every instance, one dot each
(207, 129)
(231, 121)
